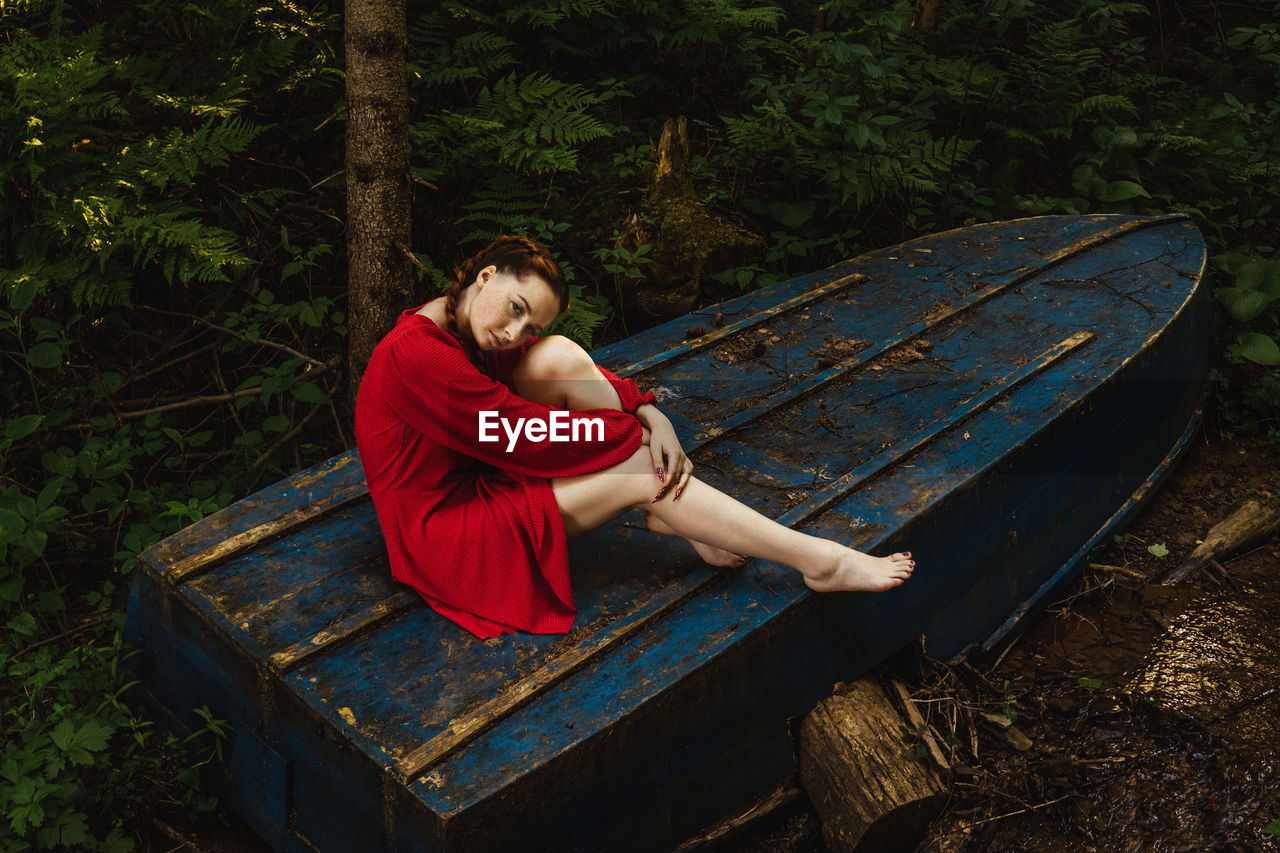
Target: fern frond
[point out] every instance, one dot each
(585, 315)
(1101, 104)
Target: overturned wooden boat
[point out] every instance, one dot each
(997, 399)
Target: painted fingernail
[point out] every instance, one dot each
(906, 554)
(677, 497)
(661, 478)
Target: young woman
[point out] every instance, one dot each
(488, 447)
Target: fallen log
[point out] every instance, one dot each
(1253, 522)
(875, 779)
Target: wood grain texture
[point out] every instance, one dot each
(861, 773)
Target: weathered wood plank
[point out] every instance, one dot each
(845, 484)
(477, 720)
(272, 512)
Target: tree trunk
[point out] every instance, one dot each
(926, 15)
(379, 281)
(874, 787)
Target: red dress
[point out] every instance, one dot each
(475, 528)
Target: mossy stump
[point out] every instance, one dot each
(689, 240)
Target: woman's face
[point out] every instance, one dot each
(505, 310)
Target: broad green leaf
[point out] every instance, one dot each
(1124, 137)
(1272, 828)
(792, 214)
(1260, 274)
(24, 623)
(1258, 348)
(22, 427)
(49, 493)
(11, 589)
(10, 524)
(44, 355)
(1242, 305)
(308, 392)
(1122, 190)
(1158, 550)
(22, 294)
(1087, 181)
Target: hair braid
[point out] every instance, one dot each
(461, 278)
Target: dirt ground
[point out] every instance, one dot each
(1143, 714)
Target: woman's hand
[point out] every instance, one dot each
(670, 464)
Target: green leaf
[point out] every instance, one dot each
(1272, 828)
(1260, 274)
(308, 392)
(1087, 181)
(1124, 137)
(1256, 347)
(11, 589)
(1242, 305)
(22, 294)
(80, 742)
(1121, 190)
(792, 214)
(44, 355)
(10, 523)
(24, 623)
(276, 423)
(1158, 550)
(22, 427)
(49, 493)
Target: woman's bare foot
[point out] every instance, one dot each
(851, 570)
(710, 554)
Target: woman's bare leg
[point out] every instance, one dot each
(557, 372)
(705, 514)
(710, 554)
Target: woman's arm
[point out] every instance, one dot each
(434, 388)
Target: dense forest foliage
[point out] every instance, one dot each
(172, 291)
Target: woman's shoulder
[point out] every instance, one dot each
(414, 329)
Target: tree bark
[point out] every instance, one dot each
(926, 15)
(379, 279)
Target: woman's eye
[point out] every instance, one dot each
(516, 309)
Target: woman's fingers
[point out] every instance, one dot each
(672, 468)
(685, 475)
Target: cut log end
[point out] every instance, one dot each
(872, 787)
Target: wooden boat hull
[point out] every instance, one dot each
(997, 398)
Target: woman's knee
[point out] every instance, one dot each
(555, 358)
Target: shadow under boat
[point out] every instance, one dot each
(996, 399)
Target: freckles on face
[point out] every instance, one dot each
(507, 310)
